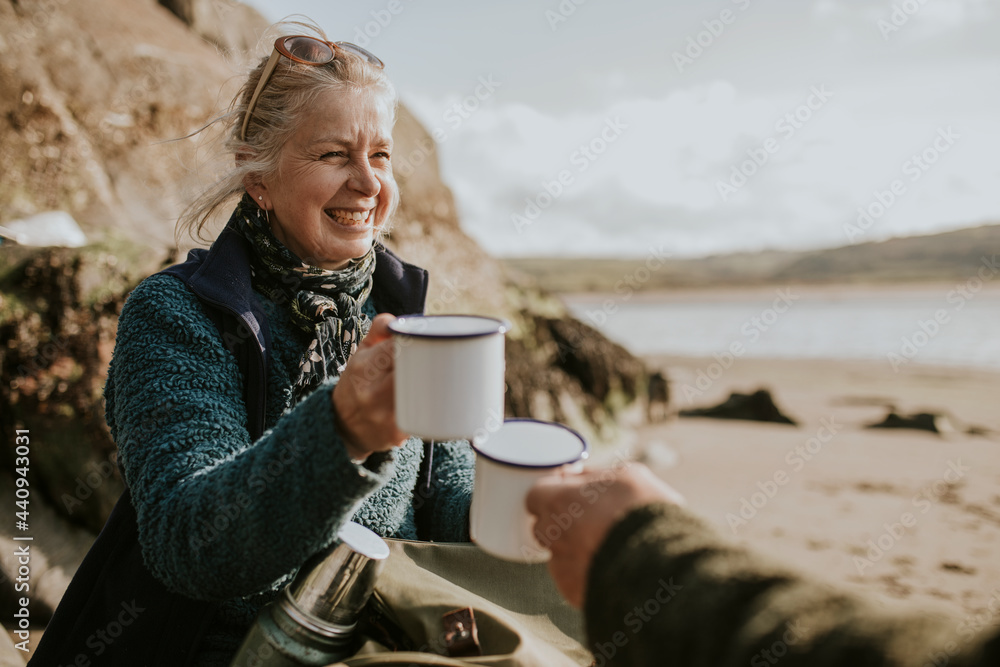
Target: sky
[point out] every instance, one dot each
(594, 128)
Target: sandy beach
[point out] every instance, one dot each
(905, 515)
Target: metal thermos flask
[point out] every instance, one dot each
(313, 620)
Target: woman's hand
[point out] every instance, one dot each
(364, 400)
(575, 512)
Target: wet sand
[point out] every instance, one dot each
(904, 515)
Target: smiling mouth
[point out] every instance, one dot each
(350, 218)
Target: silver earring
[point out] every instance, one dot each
(260, 197)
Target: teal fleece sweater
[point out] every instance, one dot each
(225, 519)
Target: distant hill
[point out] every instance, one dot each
(939, 257)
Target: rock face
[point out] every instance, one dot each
(231, 26)
(86, 91)
(53, 371)
(81, 115)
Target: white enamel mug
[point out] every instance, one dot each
(449, 375)
(508, 463)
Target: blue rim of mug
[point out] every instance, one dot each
(583, 455)
(502, 326)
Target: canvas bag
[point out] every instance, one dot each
(521, 619)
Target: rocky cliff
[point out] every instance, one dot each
(90, 92)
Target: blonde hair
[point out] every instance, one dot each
(292, 89)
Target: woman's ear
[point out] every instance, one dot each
(253, 185)
(258, 191)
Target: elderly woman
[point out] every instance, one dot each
(250, 394)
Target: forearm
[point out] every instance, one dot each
(664, 589)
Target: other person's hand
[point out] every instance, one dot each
(574, 513)
(364, 399)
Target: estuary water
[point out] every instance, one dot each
(951, 324)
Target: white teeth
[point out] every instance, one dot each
(349, 216)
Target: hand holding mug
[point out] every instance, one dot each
(593, 501)
(509, 460)
(364, 398)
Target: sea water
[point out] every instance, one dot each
(948, 324)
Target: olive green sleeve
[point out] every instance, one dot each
(665, 589)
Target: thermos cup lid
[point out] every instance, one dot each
(363, 541)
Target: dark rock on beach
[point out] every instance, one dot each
(922, 421)
(758, 406)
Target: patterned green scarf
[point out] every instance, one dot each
(324, 303)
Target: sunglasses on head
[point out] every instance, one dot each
(306, 51)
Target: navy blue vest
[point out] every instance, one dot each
(113, 588)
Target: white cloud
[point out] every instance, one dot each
(656, 181)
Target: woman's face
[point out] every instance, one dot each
(334, 186)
